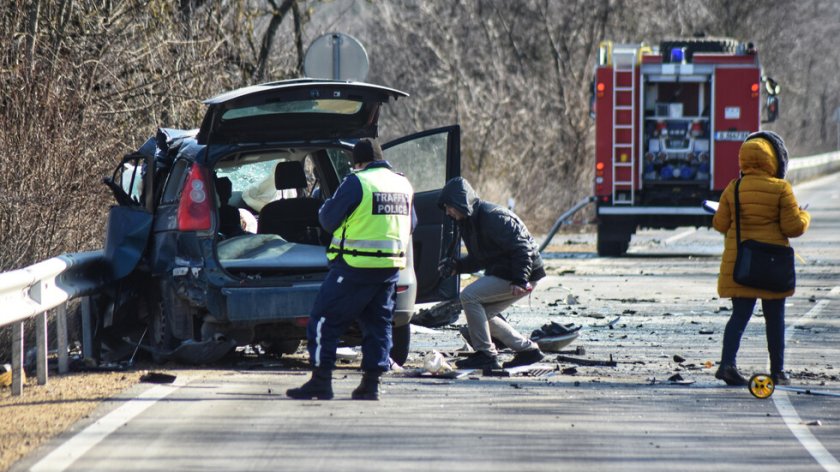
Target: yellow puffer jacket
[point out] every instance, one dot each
(769, 213)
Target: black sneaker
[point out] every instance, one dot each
(730, 375)
(526, 357)
(780, 378)
(478, 360)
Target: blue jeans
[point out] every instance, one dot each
(774, 319)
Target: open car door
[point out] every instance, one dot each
(428, 159)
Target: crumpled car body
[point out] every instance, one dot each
(196, 283)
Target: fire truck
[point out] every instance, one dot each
(669, 121)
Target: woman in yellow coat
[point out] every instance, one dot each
(770, 214)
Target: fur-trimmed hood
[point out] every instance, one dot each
(764, 151)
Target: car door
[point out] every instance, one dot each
(429, 159)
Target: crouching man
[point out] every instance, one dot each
(498, 242)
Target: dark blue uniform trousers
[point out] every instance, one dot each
(339, 302)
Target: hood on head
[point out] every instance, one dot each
(458, 193)
(764, 151)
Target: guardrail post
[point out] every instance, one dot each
(87, 337)
(41, 341)
(17, 358)
(61, 338)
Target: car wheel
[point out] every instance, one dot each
(281, 346)
(401, 336)
(161, 335)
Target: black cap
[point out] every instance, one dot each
(367, 150)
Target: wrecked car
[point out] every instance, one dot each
(215, 240)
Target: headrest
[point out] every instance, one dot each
(224, 188)
(289, 174)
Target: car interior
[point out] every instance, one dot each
(283, 190)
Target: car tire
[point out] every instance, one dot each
(401, 337)
(282, 346)
(161, 334)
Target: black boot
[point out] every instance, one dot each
(319, 386)
(369, 388)
(729, 374)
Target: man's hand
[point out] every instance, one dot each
(446, 267)
(518, 291)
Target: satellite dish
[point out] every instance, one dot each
(336, 56)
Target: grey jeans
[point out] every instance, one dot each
(483, 300)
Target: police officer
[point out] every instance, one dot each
(371, 217)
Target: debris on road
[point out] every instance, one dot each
(436, 364)
(679, 359)
(588, 362)
(678, 379)
(552, 336)
(812, 423)
(440, 315)
(158, 378)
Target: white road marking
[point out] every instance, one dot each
(65, 455)
(791, 417)
(677, 237)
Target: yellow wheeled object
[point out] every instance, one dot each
(761, 386)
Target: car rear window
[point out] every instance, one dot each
(329, 106)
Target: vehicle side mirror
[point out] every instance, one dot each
(772, 108)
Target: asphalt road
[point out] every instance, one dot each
(627, 417)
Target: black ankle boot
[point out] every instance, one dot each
(729, 374)
(369, 388)
(319, 386)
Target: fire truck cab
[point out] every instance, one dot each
(669, 121)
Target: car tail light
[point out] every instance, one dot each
(195, 209)
(402, 288)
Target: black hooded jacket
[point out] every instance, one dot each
(496, 239)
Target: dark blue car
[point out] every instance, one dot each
(216, 241)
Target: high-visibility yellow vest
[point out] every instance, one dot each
(376, 235)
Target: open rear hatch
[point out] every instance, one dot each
(294, 110)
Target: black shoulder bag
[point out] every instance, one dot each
(762, 265)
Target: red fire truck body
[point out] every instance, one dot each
(668, 125)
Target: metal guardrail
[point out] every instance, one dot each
(801, 169)
(34, 290)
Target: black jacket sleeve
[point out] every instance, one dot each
(509, 235)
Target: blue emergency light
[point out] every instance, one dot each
(678, 55)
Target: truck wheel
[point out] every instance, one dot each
(611, 248)
(612, 241)
(401, 337)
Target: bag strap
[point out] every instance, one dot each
(737, 213)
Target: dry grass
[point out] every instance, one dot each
(44, 411)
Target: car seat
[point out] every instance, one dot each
(229, 224)
(294, 219)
